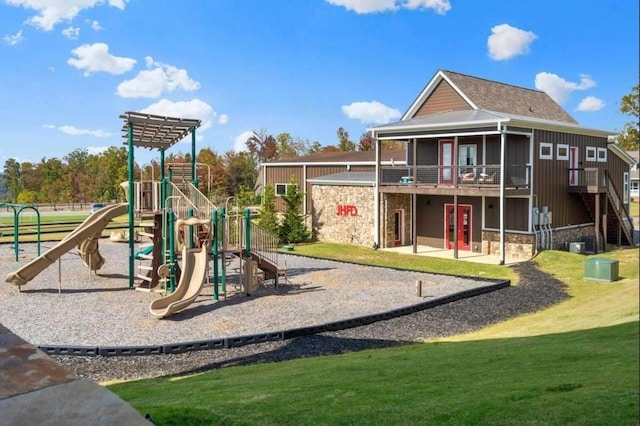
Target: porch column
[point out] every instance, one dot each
(503, 142)
(414, 227)
(414, 197)
(376, 196)
(597, 217)
(455, 225)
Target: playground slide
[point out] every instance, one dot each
(87, 230)
(194, 267)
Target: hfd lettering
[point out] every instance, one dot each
(347, 210)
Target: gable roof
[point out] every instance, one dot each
(456, 121)
(337, 157)
(480, 93)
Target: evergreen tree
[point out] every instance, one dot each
(268, 217)
(293, 228)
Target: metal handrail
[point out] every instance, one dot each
(264, 244)
(623, 217)
(204, 205)
(457, 175)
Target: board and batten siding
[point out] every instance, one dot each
(282, 174)
(617, 169)
(443, 98)
(551, 176)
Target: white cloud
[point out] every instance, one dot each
(195, 109)
(506, 41)
(439, 6)
(152, 83)
(223, 119)
(371, 112)
(96, 57)
(240, 142)
(52, 69)
(71, 32)
(590, 103)
(95, 25)
(52, 12)
(373, 6)
(13, 39)
(560, 89)
(95, 150)
(72, 130)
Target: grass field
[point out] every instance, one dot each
(574, 363)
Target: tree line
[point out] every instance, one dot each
(80, 177)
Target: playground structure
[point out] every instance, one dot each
(17, 209)
(190, 239)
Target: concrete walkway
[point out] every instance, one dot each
(467, 256)
(34, 390)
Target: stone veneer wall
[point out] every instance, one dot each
(390, 203)
(328, 226)
(516, 246)
(522, 246)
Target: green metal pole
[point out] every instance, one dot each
(16, 227)
(216, 255)
(131, 206)
(163, 182)
(224, 265)
(172, 253)
(194, 178)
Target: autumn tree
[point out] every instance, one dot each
(366, 142)
(344, 143)
(628, 138)
(218, 171)
(262, 146)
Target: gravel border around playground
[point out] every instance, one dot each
(93, 311)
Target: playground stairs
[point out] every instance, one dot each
(149, 255)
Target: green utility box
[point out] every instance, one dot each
(601, 269)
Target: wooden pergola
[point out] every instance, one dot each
(153, 132)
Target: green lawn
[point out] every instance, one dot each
(575, 363)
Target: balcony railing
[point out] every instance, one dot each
(592, 180)
(482, 175)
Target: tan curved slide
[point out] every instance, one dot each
(194, 269)
(89, 230)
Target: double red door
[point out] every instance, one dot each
(464, 227)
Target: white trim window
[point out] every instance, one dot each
(591, 153)
(281, 189)
(602, 155)
(546, 151)
(562, 151)
(625, 188)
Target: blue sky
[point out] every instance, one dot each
(69, 68)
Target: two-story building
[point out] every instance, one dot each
(499, 169)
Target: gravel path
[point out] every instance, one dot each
(93, 311)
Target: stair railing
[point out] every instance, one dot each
(620, 211)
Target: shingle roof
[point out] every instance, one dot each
(343, 157)
(501, 97)
(346, 178)
(477, 118)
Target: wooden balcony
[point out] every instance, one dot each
(587, 181)
(461, 180)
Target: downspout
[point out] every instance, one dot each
(503, 141)
(376, 195)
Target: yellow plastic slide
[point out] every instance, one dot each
(88, 230)
(194, 269)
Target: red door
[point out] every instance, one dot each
(464, 227)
